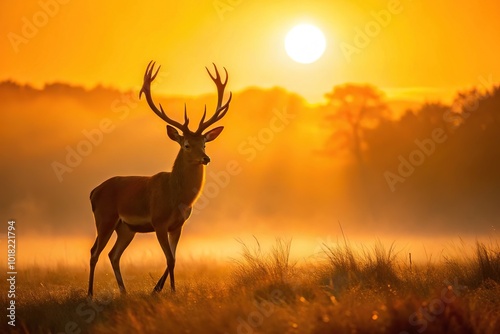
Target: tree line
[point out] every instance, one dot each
(440, 160)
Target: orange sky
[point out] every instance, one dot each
(428, 49)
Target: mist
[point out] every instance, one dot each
(281, 167)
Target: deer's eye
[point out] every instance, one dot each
(187, 147)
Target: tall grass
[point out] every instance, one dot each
(369, 268)
(256, 266)
(263, 274)
(476, 267)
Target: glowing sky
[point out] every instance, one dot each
(424, 49)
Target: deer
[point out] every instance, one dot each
(160, 203)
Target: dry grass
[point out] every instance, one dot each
(372, 291)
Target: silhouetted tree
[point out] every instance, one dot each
(354, 108)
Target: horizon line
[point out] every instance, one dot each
(410, 94)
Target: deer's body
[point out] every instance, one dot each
(160, 203)
(133, 199)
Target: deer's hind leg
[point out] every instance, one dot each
(105, 228)
(124, 237)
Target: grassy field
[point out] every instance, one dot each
(339, 291)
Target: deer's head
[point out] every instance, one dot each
(192, 142)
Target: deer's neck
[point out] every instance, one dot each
(186, 180)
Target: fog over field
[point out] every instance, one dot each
(281, 167)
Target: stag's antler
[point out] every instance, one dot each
(221, 110)
(146, 89)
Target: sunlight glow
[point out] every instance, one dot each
(305, 43)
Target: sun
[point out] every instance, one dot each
(305, 43)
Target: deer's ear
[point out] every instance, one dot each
(173, 134)
(214, 133)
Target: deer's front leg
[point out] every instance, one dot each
(162, 235)
(173, 238)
